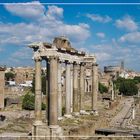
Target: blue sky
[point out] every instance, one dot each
(111, 32)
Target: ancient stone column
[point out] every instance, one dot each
(2, 84)
(112, 91)
(53, 96)
(47, 88)
(68, 90)
(38, 94)
(94, 87)
(75, 89)
(59, 92)
(82, 87)
(71, 89)
(133, 112)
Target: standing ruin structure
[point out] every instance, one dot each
(2, 85)
(57, 54)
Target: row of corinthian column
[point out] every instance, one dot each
(54, 91)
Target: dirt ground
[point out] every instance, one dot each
(18, 121)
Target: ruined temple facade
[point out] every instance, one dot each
(58, 53)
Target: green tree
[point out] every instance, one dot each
(9, 76)
(28, 102)
(127, 87)
(102, 88)
(137, 78)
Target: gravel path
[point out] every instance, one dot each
(120, 120)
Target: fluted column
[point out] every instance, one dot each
(53, 96)
(82, 87)
(94, 87)
(75, 88)
(38, 94)
(59, 92)
(68, 89)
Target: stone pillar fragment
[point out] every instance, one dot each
(82, 87)
(94, 87)
(112, 91)
(53, 96)
(47, 88)
(55, 131)
(59, 92)
(68, 90)
(38, 94)
(71, 90)
(2, 84)
(75, 88)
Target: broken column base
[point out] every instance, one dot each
(45, 132)
(56, 132)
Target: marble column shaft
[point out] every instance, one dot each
(112, 91)
(47, 88)
(82, 86)
(75, 87)
(59, 91)
(94, 86)
(53, 96)
(68, 88)
(38, 94)
(71, 89)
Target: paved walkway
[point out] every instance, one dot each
(120, 120)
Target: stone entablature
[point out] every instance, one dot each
(44, 49)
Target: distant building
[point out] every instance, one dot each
(104, 79)
(26, 84)
(113, 71)
(124, 75)
(11, 83)
(23, 74)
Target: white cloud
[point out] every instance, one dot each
(133, 37)
(54, 11)
(102, 56)
(108, 54)
(127, 23)
(112, 53)
(27, 10)
(46, 24)
(99, 18)
(41, 24)
(100, 35)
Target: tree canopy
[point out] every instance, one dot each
(9, 76)
(127, 87)
(102, 88)
(28, 102)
